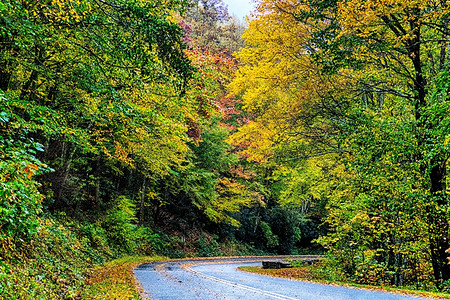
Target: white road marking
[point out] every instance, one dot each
(244, 287)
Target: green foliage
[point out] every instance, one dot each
(207, 246)
(95, 242)
(55, 262)
(271, 239)
(350, 105)
(297, 263)
(95, 98)
(20, 198)
(50, 266)
(146, 241)
(119, 223)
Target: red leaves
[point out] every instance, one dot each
(194, 131)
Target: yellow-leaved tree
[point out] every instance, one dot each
(362, 84)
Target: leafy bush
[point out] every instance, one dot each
(271, 239)
(20, 199)
(207, 246)
(119, 224)
(95, 242)
(52, 266)
(146, 241)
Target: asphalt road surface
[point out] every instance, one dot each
(210, 279)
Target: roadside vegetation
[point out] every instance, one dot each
(171, 129)
(115, 279)
(319, 273)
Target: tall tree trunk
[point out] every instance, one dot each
(98, 200)
(439, 225)
(5, 77)
(141, 211)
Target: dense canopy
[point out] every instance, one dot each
(169, 127)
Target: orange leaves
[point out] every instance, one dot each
(215, 71)
(121, 154)
(209, 60)
(30, 169)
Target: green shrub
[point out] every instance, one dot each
(50, 266)
(20, 199)
(95, 242)
(271, 239)
(119, 224)
(146, 241)
(207, 246)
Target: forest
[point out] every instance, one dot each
(148, 127)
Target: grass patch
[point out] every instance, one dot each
(115, 280)
(315, 273)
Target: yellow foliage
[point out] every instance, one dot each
(278, 81)
(256, 140)
(115, 280)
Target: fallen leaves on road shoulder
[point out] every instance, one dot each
(115, 280)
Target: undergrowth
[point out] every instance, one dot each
(68, 259)
(59, 260)
(51, 265)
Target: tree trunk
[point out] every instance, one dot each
(5, 77)
(98, 200)
(141, 211)
(439, 225)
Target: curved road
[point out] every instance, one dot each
(208, 279)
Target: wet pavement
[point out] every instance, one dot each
(220, 279)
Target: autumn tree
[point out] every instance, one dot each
(98, 101)
(211, 28)
(406, 46)
(360, 83)
(414, 36)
